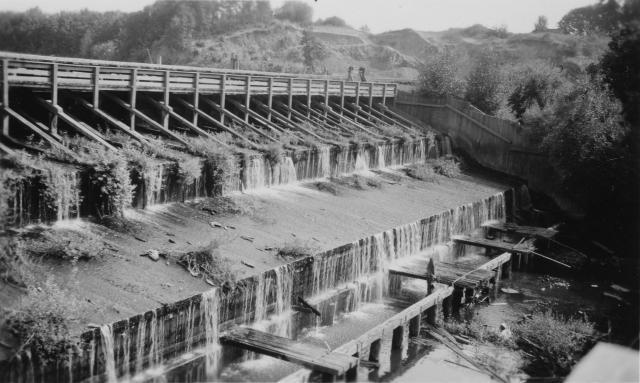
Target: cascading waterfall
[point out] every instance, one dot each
(362, 161)
(381, 162)
(106, 337)
(446, 146)
(209, 314)
(324, 153)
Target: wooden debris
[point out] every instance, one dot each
(216, 224)
(247, 238)
(369, 364)
(247, 264)
(529, 231)
(307, 305)
(140, 239)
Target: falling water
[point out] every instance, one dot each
(381, 162)
(209, 312)
(446, 146)
(324, 153)
(153, 184)
(106, 336)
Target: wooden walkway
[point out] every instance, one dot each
(490, 243)
(460, 275)
(310, 356)
(530, 231)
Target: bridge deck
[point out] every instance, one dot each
(310, 356)
(45, 72)
(491, 244)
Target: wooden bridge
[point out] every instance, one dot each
(41, 94)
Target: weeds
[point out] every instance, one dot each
(273, 153)
(328, 187)
(42, 321)
(208, 263)
(447, 167)
(225, 206)
(557, 341)
(13, 263)
(423, 172)
(295, 250)
(61, 244)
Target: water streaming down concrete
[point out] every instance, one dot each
(338, 280)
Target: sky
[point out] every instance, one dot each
(378, 15)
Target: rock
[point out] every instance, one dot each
(230, 227)
(509, 291)
(153, 254)
(216, 224)
(209, 281)
(505, 332)
(93, 325)
(171, 241)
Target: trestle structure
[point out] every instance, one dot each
(47, 97)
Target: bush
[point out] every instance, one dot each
(423, 172)
(295, 250)
(558, 341)
(42, 321)
(13, 263)
(439, 77)
(483, 83)
(207, 262)
(295, 11)
(328, 187)
(273, 153)
(61, 244)
(333, 21)
(447, 167)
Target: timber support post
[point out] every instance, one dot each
(290, 98)
(196, 97)
(5, 96)
(54, 98)
(167, 95)
(308, 97)
(223, 95)
(270, 98)
(96, 87)
(247, 100)
(132, 98)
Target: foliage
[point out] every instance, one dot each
(14, 170)
(334, 21)
(620, 63)
(68, 245)
(295, 11)
(312, 50)
(447, 167)
(13, 262)
(542, 24)
(295, 250)
(274, 153)
(602, 17)
(328, 187)
(42, 321)
(206, 261)
(438, 76)
(423, 172)
(483, 82)
(557, 340)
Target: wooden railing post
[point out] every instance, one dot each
(247, 100)
(270, 98)
(5, 96)
(133, 93)
(223, 95)
(196, 97)
(357, 95)
(341, 96)
(167, 95)
(370, 94)
(309, 97)
(384, 94)
(96, 87)
(54, 97)
(290, 100)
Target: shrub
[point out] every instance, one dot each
(295, 250)
(439, 77)
(61, 244)
(206, 261)
(42, 321)
(112, 187)
(447, 167)
(483, 83)
(423, 172)
(14, 170)
(559, 341)
(328, 187)
(295, 11)
(273, 153)
(13, 263)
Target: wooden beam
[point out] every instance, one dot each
(96, 87)
(147, 119)
(217, 123)
(37, 130)
(196, 97)
(223, 95)
(5, 96)
(341, 96)
(290, 98)
(111, 120)
(270, 98)
(183, 121)
(237, 119)
(274, 128)
(384, 95)
(348, 112)
(308, 95)
(167, 95)
(132, 97)
(54, 98)
(247, 99)
(390, 120)
(277, 115)
(370, 94)
(81, 128)
(326, 96)
(309, 119)
(311, 356)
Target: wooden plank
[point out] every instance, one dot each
(489, 243)
(237, 119)
(533, 231)
(311, 356)
(5, 96)
(111, 120)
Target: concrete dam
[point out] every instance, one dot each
(318, 159)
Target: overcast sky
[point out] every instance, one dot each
(379, 15)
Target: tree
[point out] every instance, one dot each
(438, 76)
(599, 18)
(312, 50)
(333, 21)
(541, 25)
(483, 82)
(620, 63)
(295, 11)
